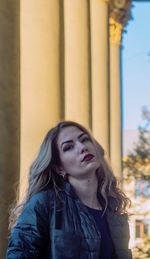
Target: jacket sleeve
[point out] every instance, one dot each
(30, 234)
(119, 231)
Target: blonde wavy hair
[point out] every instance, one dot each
(42, 175)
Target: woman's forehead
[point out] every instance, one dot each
(68, 133)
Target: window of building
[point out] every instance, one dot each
(142, 188)
(139, 229)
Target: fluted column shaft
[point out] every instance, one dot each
(115, 101)
(119, 16)
(40, 81)
(100, 71)
(77, 85)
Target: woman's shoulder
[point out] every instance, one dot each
(38, 204)
(41, 199)
(42, 195)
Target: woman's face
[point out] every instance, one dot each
(77, 153)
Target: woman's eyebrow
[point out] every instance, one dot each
(70, 141)
(67, 141)
(82, 134)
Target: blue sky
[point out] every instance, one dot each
(136, 66)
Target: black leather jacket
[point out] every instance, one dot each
(53, 228)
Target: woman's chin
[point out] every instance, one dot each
(93, 165)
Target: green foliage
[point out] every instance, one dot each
(137, 161)
(142, 250)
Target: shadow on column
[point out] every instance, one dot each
(9, 111)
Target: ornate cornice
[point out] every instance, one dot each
(120, 14)
(115, 30)
(120, 11)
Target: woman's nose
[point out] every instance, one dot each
(82, 148)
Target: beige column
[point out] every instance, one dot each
(9, 112)
(40, 83)
(77, 85)
(115, 98)
(119, 16)
(100, 71)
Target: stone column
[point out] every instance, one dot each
(77, 67)
(115, 98)
(119, 15)
(40, 75)
(9, 111)
(100, 71)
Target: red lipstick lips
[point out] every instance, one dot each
(87, 157)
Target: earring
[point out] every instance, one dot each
(64, 177)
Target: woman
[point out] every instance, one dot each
(73, 208)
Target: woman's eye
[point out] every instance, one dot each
(67, 148)
(85, 139)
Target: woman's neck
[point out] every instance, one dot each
(86, 189)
